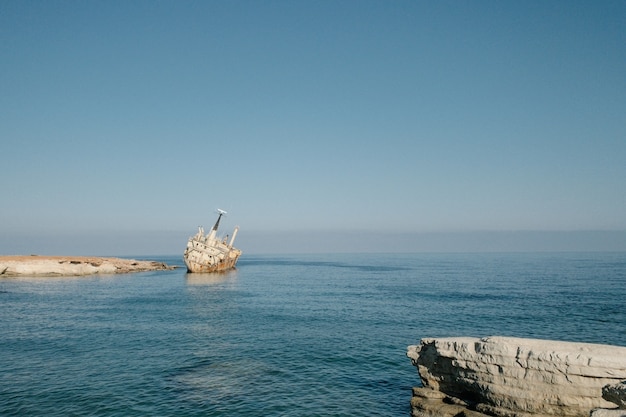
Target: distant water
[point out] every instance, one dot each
(305, 335)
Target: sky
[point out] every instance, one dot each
(318, 125)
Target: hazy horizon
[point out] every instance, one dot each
(171, 243)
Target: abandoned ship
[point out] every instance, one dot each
(210, 253)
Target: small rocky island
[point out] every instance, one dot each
(516, 377)
(35, 265)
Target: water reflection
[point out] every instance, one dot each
(211, 278)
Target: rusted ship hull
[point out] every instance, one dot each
(203, 261)
(201, 268)
(207, 253)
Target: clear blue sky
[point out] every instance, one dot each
(130, 122)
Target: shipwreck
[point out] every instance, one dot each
(208, 253)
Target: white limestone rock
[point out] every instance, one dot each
(603, 412)
(507, 376)
(34, 266)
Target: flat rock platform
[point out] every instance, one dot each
(36, 265)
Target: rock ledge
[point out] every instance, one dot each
(515, 377)
(36, 265)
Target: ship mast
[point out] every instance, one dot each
(217, 224)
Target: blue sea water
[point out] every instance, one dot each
(297, 335)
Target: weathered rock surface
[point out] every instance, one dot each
(615, 393)
(513, 377)
(605, 412)
(73, 265)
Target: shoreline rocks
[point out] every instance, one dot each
(515, 377)
(35, 265)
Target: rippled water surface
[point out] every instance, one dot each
(305, 335)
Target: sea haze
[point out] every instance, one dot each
(154, 242)
(288, 335)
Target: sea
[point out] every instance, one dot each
(283, 335)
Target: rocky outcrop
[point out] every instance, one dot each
(513, 377)
(35, 265)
